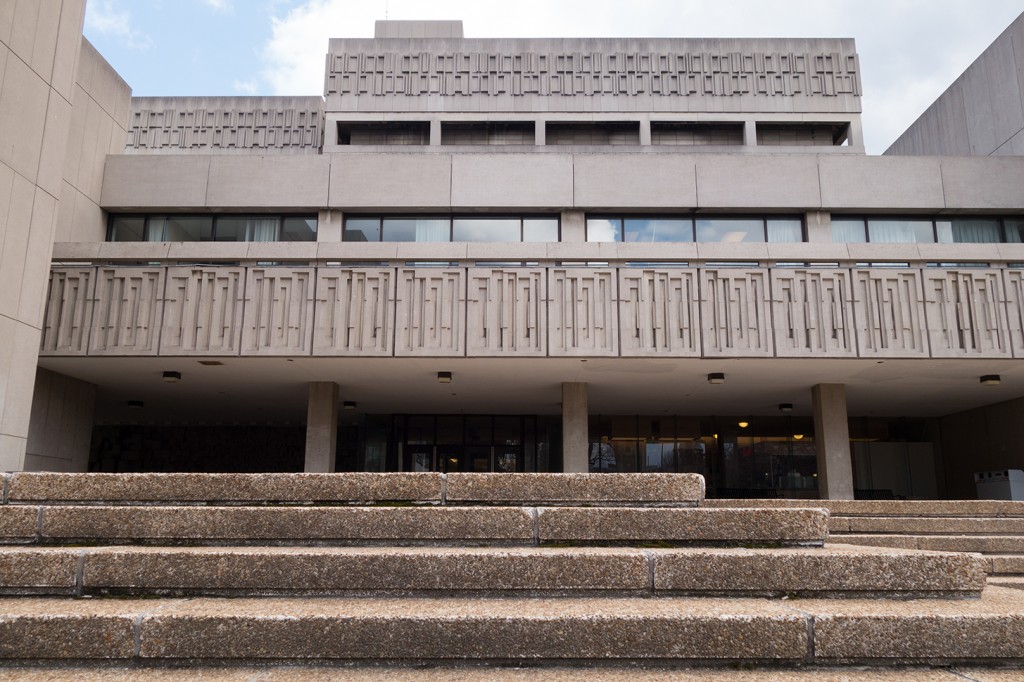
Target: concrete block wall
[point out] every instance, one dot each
(39, 50)
(982, 112)
(99, 116)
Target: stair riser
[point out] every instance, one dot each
(986, 545)
(408, 525)
(539, 571)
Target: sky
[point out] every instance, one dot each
(910, 50)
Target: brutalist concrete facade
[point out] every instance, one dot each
(422, 123)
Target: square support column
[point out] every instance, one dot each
(832, 442)
(321, 427)
(575, 429)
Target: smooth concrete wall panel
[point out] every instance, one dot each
(642, 181)
(764, 182)
(983, 183)
(62, 420)
(390, 181)
(992, 98)
(880, 183)
(512, 180)
(285, 182)
(136, 183)
(23, 92)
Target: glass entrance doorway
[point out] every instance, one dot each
(473, 443)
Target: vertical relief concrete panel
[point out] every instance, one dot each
(659, 312)
(889, 313)
(735, 311)
(505, 313)
(1013, 287)
(278, 314)
(127, 307)
(354, 311)
(203, 311)
(812, 313)
(582, 312)
(68, 312)
(966, 313)
(430, 312)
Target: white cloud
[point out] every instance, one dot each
(249, 86)
(104, 17)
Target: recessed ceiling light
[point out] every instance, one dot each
(211, 363)
(785, 407)
(444, 377)
(172, 377)
(350, 405)
(716, 378)
(990, 380)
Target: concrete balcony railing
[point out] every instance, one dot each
(546, 307)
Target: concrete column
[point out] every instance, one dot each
(819, 227)
(540, 132)
(575, 429)
(645, 133)
(750, 133)
(329, 225)
(574, 226)
(321, 427)
(435, 133)
(832, 442)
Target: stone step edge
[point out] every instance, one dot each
(849, 571)
(413, 488)
(459, 525)
(811, 631)
(886, 508)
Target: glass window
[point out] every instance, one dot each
(785, 230)
(540, 229)
(298, 230)
(968, 231)
(729, 230)
(361, 230)
(180, 229)
(416, 230)
(900, 231)
(848, 231)
(658, 230)
(486, 230)
(127, 229)
(1014, 230)
(247, 229)
(604, 230)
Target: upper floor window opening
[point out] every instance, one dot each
(212, 228)
(451, 229)
(673, 228)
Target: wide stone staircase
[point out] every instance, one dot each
(426, 571)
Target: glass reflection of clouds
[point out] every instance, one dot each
(604, 230)
(658, 230)
(485, 230)
(729, 230)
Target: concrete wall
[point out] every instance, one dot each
(39, 46)
(60, 434)
(99, 115)
(545, 180)
(982, 112)
(986, 439)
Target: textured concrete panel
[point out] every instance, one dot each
(389, 182)
(873, 183)
(735, 312)
(278, 313)
(430, 306)
(642, 181)
(202, 311)
(776, 181)
(485, 181)
(506, 312)
(966, 313)
(354, 312)
(659, 312)
(1013, 285)
(812, 312)
(68, 314)
(889, 312)
(582, 312)
(127, 307)
(284, 182)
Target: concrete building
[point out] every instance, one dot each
(513, 255)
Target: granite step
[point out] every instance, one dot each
(910, 525)
(408, 525)
(684, 490)
(835, 571)
(536, 630)
(985, 544)
(1006, 564)
(897, 508)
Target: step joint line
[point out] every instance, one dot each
(80, 573)
(535, 516)
(809, 621)
(444, 490)
(137, 635)
(651, 558)
(39, 524)
(7, 487)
